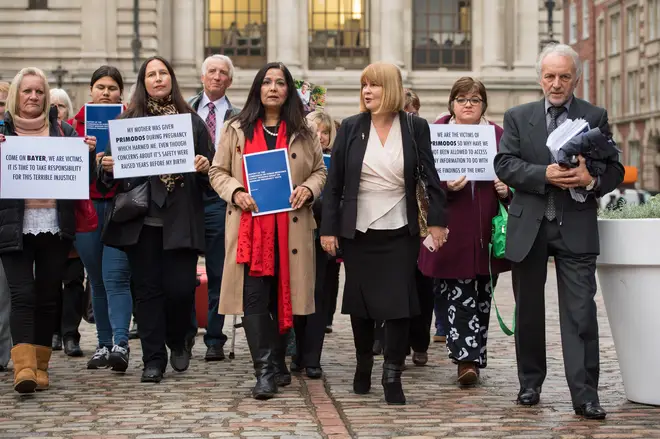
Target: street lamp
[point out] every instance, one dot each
(136, 44)
(550, 6)
(59, 73)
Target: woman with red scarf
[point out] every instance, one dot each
(269, 263)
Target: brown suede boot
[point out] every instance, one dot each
(24, 357)
(43, 358)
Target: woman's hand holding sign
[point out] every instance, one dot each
(108, 164)
(202, 164)
(299, 197)
(91, 142)
(457, 185)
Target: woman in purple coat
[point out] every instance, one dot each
(461, 265)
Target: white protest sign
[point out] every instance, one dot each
(464, 150)
(44, 168)
(153, 145)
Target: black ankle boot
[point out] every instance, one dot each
(392, 384)
(282, 374)
(362, 379)
(259, 334)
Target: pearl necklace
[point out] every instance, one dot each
(271, 133)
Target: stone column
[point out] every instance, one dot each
(288, 27)
(183, 38)
(93, 35)
(493, 36)
(526, 35)
(392, 31)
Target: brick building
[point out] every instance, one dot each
(619, 41)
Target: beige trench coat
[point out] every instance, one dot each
(226, 176)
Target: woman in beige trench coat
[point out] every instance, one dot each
(268, 277)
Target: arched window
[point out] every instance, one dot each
(237, 28)
(442, 34)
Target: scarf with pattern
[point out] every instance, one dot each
(164, 107)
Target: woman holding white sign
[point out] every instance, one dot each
(159, 222)
(380, 158)
(269, 263)
(37, 235)
(462, 267)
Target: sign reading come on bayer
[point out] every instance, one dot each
(464, 150)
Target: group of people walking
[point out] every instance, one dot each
(371, 210)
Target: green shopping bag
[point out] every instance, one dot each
(497, 248)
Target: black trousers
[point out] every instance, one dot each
(72, 300)
(576, 282)
(34, 276)
(395, 335)
(164, 287)
(310, 329)
(259, 294)
(331, 287)
(420, 325)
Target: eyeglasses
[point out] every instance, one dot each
(464, 101)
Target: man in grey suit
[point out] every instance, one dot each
(545, 221)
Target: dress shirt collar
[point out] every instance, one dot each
(566, 105)
(218, 104)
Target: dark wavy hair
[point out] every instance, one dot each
(138, 105)
(109, 71)
(292, 111)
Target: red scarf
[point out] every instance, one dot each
(256, 237)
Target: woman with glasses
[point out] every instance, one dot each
(461, 268)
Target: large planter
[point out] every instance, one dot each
(629, 275)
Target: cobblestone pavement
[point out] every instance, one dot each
(211, 400)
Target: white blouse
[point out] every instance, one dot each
(381, 203)
(37, 221)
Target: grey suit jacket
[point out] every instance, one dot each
(521, 163)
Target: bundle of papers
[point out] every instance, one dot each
(560, 136)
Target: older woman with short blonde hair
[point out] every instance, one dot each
(60, 98)
(37, 236)
(370, 213)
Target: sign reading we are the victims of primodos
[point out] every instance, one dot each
(464, 150)
(155, 145)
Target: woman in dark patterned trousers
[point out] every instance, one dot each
(461, 266)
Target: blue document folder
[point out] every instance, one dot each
(326, 160)
(96, 122)
(269, 180)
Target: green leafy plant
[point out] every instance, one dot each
(650, 209)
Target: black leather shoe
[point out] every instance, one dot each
(529, 396)
(152, 375)
(314, 372)
(57, 342)
(591, 410)
(214, 353)
(180, 359)
(72, 348)
(392, 384)
(362, 378)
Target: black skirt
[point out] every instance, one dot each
(380, 274)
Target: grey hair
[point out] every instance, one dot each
(563, 50)
(224, 58)
(61, 95)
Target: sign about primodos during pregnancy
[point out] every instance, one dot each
(154, 145)
(464, 150)
(44, 168)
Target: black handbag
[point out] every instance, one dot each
(421, 184)
(132, 204)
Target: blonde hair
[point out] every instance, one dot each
(320, 117)
(387, 76)
(61, 95)
(12, 98)
(4, 87)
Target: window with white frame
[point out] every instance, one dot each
(585, 19)
(600, 36)
(654, 87)
(586, 80)
(614, 33)
(631, 87)
(653, 19)
(633, 27)
(572, 23)
(615, 95)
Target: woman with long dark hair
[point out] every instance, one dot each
(163, 245)
(107, 267)
(269, 264)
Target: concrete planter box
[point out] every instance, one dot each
(629, 273)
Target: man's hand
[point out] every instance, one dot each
(561, 177)
(583, 172)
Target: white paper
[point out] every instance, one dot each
(464, 150)
(153, 145)
(44, 168)
(565, 132)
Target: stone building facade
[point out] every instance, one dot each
(620, 43)
(326, 42)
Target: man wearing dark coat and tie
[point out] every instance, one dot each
(544, 221)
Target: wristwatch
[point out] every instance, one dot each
(591, 185)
